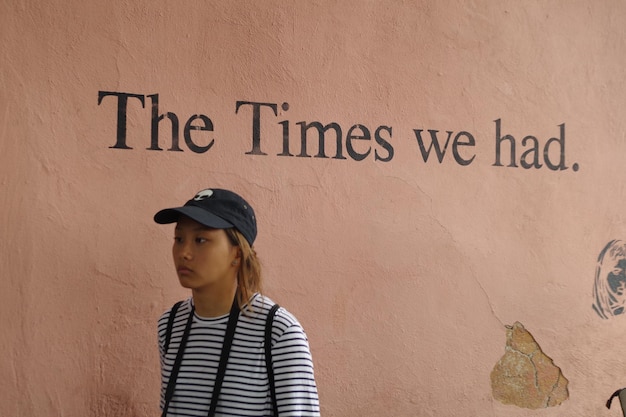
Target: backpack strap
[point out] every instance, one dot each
(171, 383)
(268, 355)
(170, 324)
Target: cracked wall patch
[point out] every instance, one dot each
(525, 376)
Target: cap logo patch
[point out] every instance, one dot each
(203, 194)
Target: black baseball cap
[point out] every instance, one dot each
(215, 208)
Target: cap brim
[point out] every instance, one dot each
(208, 219)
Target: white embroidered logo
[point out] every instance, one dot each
(203, 194)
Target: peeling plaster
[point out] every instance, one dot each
(525, 376)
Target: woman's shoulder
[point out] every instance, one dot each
(181, 308)
(283, 318)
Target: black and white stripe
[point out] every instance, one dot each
(245, 390)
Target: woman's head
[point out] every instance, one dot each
(223, 209)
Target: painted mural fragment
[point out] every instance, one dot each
(525, 376)
(609, 287)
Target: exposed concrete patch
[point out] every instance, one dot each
(525, 376)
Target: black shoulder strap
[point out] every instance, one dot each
(171, 383)
(228, 342)
(170, 324)
(268, 355)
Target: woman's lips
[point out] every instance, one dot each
(184, 271)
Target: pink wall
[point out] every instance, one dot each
(403, 272)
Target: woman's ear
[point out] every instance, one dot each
(237, 259)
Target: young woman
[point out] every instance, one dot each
(214, 360)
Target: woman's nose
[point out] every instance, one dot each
(185, 251)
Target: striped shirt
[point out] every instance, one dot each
(245, 390)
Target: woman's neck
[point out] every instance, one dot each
(214, 302)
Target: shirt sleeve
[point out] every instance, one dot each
(296, 391)
(161, 326)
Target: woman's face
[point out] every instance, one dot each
(203, 257)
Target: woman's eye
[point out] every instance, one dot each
(201, 240)
(178, 239)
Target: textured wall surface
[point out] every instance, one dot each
(404, 259)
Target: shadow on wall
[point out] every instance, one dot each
(610, 281)
(525, 376)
